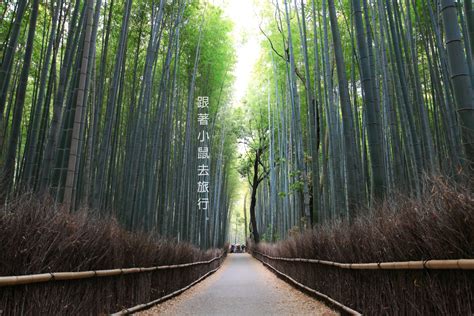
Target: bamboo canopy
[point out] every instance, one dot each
(453, 264)
(57, 276)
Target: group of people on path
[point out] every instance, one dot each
(236, 248)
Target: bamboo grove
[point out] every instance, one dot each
(354, 101)
(97, 108)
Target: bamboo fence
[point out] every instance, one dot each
(456, 264)
(58, 276)
(459, 264)
(332, 301)
(140, 307)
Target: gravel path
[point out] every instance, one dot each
(242, 286)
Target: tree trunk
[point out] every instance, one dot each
(373, 124)
(81, 99)
(352, 158)
(459, 77)
(253, 198)
(7, 174)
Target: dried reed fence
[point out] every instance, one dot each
(159, 283)
(291, 267)
(77, 264)
(401, 259)
(61, 276)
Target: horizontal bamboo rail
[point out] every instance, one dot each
(319, 294)
(456, 264)
(59, 276)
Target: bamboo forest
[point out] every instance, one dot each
(277, 156)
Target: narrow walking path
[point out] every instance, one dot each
(243, 286)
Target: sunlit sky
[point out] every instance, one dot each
(247, 37)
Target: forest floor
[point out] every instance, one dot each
(242, 286)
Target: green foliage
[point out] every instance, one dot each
(138, 112)
(269, 234)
